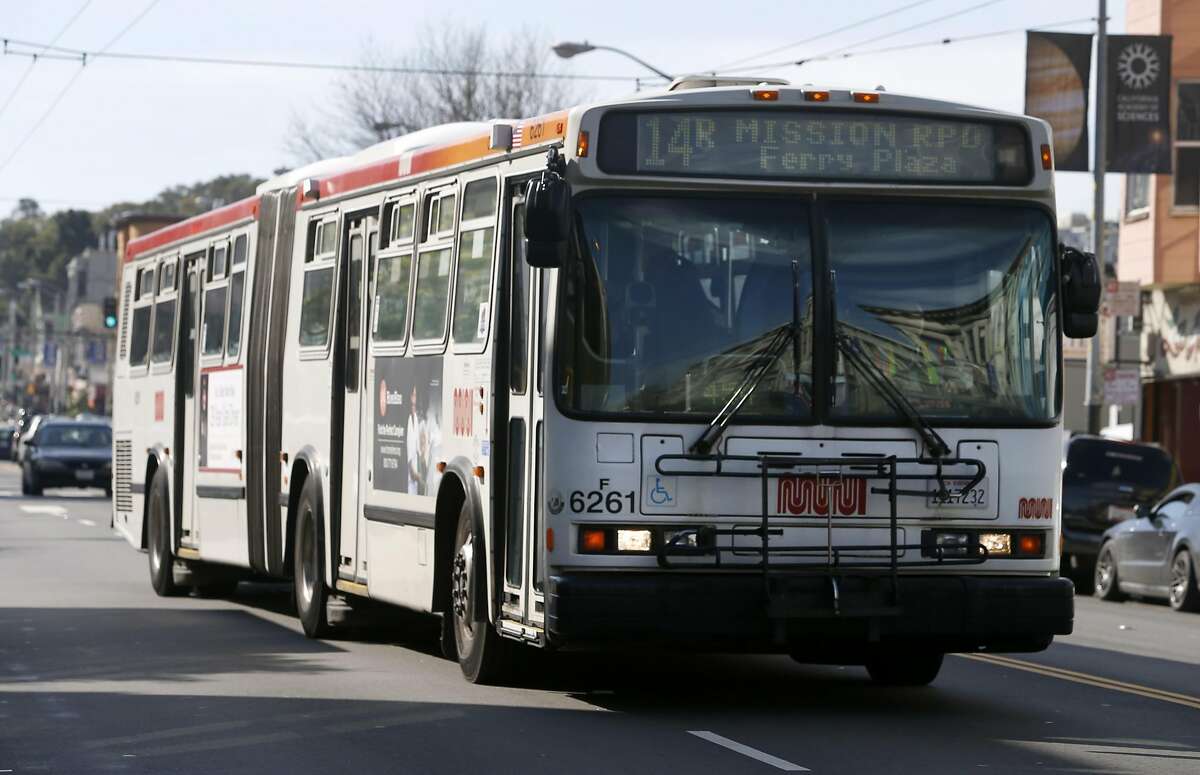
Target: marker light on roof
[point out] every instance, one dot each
(765, 95)
(581, 145)
(865, 96)
(816, 96)
(1047, 158)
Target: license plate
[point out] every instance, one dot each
(1119, 514)
(85, 476)
(959, 497)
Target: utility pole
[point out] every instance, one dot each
(1094, 397)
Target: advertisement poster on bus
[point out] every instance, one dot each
(220, 419)
(408, 415)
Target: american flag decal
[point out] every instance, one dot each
(518, 135)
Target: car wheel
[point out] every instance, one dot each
(30, 484)
(308, 564)
(1107, 584)
(1184, 594)
(484, 656)
(158, 539)
(904, 668)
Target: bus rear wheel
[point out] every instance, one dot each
(904, 668)
(158, 539)
(484, 656)
(308, 564)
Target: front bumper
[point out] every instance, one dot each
(66, 475)
(733, 611)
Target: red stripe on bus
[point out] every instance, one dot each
(246, 208)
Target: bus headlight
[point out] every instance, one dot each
(997, 544)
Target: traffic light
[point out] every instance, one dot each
(110, 312)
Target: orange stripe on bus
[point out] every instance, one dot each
(246, 208)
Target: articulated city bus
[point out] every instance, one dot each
(733, 366)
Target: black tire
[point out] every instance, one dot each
(158, 538)
(1106, 582)
(1184, 596)
(1081, 571)
(29, 481)
(308, 563)
(904, 668)
(484, 656)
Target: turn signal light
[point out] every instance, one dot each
(1047, 158)
(765, 95)
(593, 539)
(581, 145)
(816, 96)
(549, 539)
(1030, 545)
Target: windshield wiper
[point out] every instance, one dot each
(852, 351)
(760, 367)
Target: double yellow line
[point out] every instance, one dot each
(1091, 680)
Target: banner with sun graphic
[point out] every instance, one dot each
(1057, 66)
(1137, 110)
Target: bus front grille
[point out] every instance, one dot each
(122, 472)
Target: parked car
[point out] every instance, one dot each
(1155, 554)
(1104, 481)
(6, 440)
(67, 453)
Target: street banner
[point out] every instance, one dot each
(1137, 111)
(1057, 72)
(1122, 299)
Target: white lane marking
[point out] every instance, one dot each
(745, 750)
(87, 522)
(51, 510)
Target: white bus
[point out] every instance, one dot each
(736, 365)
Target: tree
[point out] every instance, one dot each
(466, 77)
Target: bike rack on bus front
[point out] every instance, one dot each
(703, 541)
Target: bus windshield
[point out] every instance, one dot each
(678, 297)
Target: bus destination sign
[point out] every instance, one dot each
(825, 145)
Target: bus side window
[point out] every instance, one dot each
(164, 331)
(393, 276)
(473, 285)
(139, 339)
(316, 301)
(432, 297)
(237, 282)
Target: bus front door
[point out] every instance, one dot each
(522, 598)
(360, 233)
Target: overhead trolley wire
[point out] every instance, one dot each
(80, 55)
(827, 34)
(924, 44)
(67, 86)
(33, 60)
(830, 54)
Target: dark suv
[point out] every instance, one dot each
(68, 453)
(1104, 481)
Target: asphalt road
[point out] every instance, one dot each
(99, 675)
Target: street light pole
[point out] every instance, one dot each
(1094, 397)
(568, 49)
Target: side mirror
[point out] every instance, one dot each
(1081, 292)
(548, 218)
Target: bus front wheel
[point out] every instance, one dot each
(158, 539)
(904, 668)
(308, 566)
(483, 655)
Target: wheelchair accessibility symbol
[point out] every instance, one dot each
(660, 492)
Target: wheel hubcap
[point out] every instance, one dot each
(308, 565)
(460, 589)
(1180, 577)
(1104, 573)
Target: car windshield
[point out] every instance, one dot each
(675, 298)
(1100, 462)
(91, 436)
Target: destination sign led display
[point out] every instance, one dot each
(815, 145)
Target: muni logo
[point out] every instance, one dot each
(810, 495)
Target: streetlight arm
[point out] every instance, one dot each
(639, 60)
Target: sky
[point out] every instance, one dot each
(124, 130)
